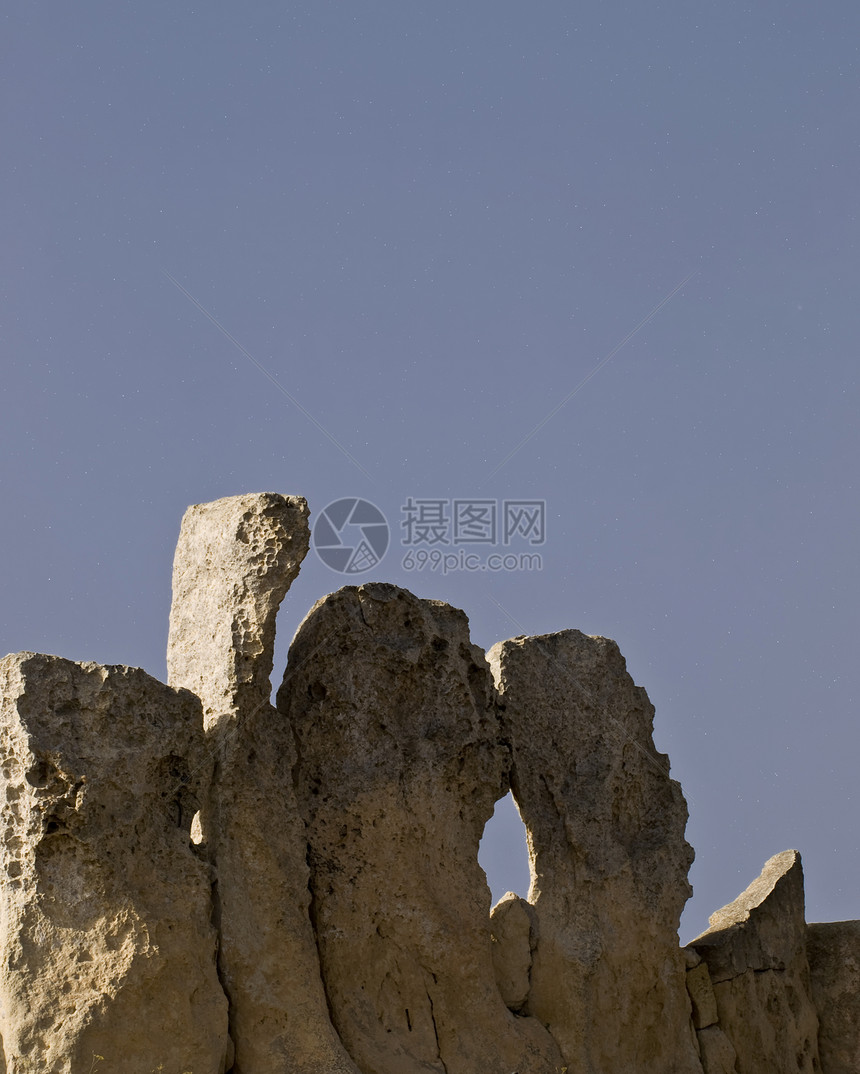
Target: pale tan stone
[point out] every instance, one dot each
(718, 1055)
(609, 860)
(399, 768)
(702, 996)
(833, 950)
(513, 927)
(755, 950)
(106, 941)
(234, 563)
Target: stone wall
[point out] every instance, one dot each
(198, 882)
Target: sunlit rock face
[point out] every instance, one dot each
(105, 910)
(399, 766)
(755, 952)
(235, 560)
(605, 826)
(195, 880)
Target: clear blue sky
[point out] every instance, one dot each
(430, 223)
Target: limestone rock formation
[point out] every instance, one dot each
(235, 561)
(609, 861)
(755, 951)
(196, 881)
(399, 767)
(513, 926)
(106, 942)
(717, 1054)
(702, 997)
(833, 949)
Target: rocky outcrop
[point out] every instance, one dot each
(833, 950)
(716, 1051)
(106, 941)
(609, 863)
(755, 952)
(513, 927)
(399, 767)
(235, 561)
(194, 880)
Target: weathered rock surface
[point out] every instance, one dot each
(513, 926)
(755, 950)
(106, 942)
(235, 561)
(833, 950)
(335, 875)
(718, 1055)
(399, 767)
(609, 860)
(702, 997)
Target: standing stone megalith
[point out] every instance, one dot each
(833, 950)
(609, 860)
(234, 562)
(755, 951)
(398, 769)
(106, 942)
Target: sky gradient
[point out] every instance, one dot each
(365, 250)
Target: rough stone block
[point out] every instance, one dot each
(399, 765)
(513, 925)
(833, 950)
(106, 941)
(609, 862)
(702, 996)
(234, 562)
(755, 950)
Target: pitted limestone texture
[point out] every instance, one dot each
(399, 767)
(106, 941)
(194, 880)
(833, 949)
(755, 951)
(234, 561)
(609, 861)
(513, 926)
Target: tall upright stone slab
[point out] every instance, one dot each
(234, 562)
(833, 950)
(399, 766)
(755, 951)
(609, 860)
(106, 942)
